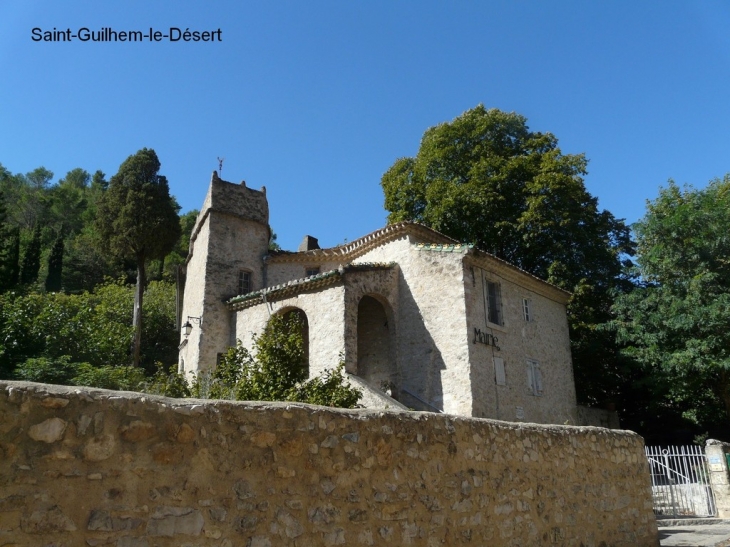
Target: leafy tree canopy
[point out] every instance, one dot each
(485, 178)
(136, 216)
(678, 323)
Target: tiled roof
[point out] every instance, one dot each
(350, 251)
(438, 242)
(455, 248)
(296, 286)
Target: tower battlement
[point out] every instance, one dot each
(235, 199)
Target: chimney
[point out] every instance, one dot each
(308, 243)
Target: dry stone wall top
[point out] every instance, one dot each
(94, 467)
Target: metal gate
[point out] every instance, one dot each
(680, 482)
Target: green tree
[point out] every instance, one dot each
(485, 178)
(677, 324)
(32, 197)
(40, 178)
(32, 258)
(278, 372)
(13, 259)
(68, 202)
(137, 219)
(55, 266)
(99, 182)
(9, 248)
(179, 253)
(94, 328)
(86, 265)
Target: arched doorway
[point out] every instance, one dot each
(375, 362)
(293, 350)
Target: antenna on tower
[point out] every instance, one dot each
(220, 165)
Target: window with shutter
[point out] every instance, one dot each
(499, 374)
(534, 378)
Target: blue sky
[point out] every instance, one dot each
(315, 100)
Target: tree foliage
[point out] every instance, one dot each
(31, 259)
(9, 249)
(137, 219)
(61, 370)
(55, 266)
(677, 324)
(92, 328)
(486, 179)
(81, 336)
(276, 372)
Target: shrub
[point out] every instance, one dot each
(48, 370)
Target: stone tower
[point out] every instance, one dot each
(226, 258)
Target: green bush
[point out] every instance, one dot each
(61, 370)
(124, 378)
(329, 389)
(277, 373)
(47, 370)
(94, 328)
(168, 382)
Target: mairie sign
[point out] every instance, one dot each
(485, 338)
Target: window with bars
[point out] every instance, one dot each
(244, 282)
(311, 270)
(493, 302)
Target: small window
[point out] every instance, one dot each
(311, 270)
(493, 302)
(534, 378)
(244, 282)
(500, 377)
(526, 310)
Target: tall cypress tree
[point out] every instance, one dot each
(137, 220)
(32, 259)
(55, 266)
(13, 259)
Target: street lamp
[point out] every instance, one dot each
(187, 328)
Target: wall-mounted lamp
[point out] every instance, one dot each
(187, 328)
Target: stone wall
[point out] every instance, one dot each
(94, 467)
(717, 456)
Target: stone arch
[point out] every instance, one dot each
(287, 312)
(375, 342)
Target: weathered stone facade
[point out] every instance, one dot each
(435, 324)
(218, 254)
(103, 468)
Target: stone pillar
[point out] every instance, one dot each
(719, 475)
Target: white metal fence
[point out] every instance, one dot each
(680, 481)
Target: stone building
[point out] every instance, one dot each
(420, 320)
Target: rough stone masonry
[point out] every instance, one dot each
(93, 467)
